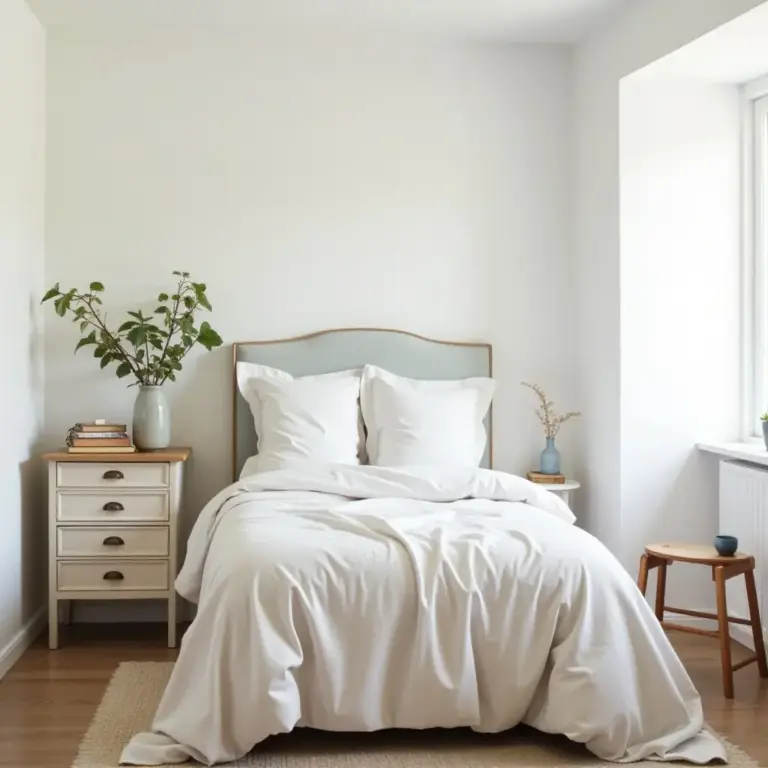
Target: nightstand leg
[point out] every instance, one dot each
(172, 621)
(53, 623)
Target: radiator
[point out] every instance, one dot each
(743, 512)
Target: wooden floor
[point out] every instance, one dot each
(48, 698)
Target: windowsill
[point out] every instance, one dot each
(754, 453)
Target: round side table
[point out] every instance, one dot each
(563, 490)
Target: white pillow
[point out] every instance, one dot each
(309, 417)
(412, 421)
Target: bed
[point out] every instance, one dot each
(354, 597)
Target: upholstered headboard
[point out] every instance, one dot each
(405, 354)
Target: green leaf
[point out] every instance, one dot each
(79, 312)
(137, 315)
(185, 274)
(137, 335)
(199, 289)
(123, 370)
(189, 302)
(86, 340)
(127, 325)
(100, 351)
(208, 337)
(163, 297)
(176, 272)
(84, 325)
(187, 325)
(156, 343)
(171, 377)
(49, 294)
(106, 360)
(96, 286)
(162, 311)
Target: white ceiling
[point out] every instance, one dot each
(512, 20)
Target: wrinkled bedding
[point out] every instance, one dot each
(360, 598)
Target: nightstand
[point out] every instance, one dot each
(113, 528)
(563, 490)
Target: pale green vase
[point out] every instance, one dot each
(550, 459)
(151, 419)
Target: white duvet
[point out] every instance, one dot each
(361, 598)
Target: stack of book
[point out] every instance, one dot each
(99, 437)
(540, 477)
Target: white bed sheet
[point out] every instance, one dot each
(361, 598)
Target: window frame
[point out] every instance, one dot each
(755, 247)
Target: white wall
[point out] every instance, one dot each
(680, 155)
(645, 33)
(22, 193)
(313, 186)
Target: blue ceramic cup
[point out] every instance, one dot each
(726, 546)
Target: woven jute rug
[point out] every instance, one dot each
(134, 692)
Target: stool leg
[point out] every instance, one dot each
(725, 637)
(661, 589)
(642, 576)
(757, 627)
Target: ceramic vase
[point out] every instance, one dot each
(151, 419)
(726, 546)
(765, 433)
(550, 459)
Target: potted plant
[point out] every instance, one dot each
(764, 422)
(551, 421)
(148, 348)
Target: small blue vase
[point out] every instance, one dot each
(726, 546)
(550, 459)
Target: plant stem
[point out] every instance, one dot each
(98, 323)
(172, 326)
(184, 354)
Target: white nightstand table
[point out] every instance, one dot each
(113, 528)
(563, 490)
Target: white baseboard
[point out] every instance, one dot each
(22, 640)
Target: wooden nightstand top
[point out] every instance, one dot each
(165, 454)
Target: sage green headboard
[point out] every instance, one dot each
(403, 353)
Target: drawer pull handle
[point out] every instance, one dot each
(113, 576)
(113, 506)
(113, 541)
(113, 474)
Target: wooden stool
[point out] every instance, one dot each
(723, 568)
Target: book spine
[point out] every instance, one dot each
(99, 435)
(89, 442)
(101, 427)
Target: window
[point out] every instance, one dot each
(756, 242)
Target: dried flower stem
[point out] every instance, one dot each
(547, 416)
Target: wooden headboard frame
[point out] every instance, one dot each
(402, 352)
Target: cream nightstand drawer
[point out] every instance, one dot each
(113, 541)
(113, 530)
(111, 507)
(111, 475)
(112, 576)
